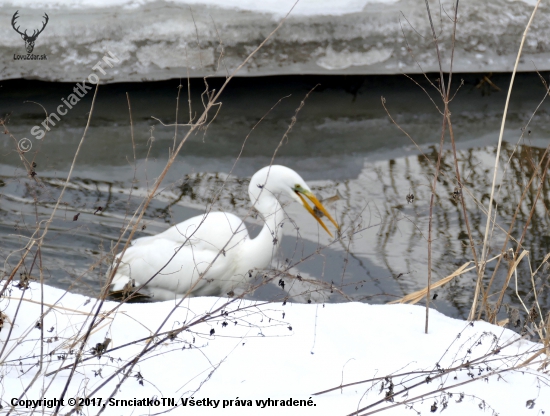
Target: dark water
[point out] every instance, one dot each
(343, 143)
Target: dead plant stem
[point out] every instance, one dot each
(484, 250)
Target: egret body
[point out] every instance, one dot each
(213, 254)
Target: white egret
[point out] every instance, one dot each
(212, 254)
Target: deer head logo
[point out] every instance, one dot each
(29, 40)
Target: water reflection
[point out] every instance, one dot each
(342, 144)
(377, 264)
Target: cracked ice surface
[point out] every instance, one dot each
(156, 39)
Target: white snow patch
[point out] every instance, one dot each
(262, 351)
(345, 59)
(529, 2)
(276, 7)
(164, 55)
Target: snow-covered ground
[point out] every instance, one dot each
(157, 39)
(275, 7)
(232, 358)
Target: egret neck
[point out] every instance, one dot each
(260, 250)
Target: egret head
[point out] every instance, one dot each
(279, 180)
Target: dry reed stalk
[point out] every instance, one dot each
(525, 228)
(444, 94)
(508, 236)
(484, 250)
(417, 296)
(461, 187)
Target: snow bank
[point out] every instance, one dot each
(248, 351)
(156, 39)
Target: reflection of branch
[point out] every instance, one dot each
(177, 124)
(484, 250)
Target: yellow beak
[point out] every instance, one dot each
(319, 207)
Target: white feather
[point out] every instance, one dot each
(211, 254)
